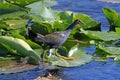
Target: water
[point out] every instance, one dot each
(91, 7)
(92, 71)
(28, 75)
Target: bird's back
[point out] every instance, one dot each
(56, 39)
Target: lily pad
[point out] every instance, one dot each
(43, 13)
(98, 35)
(89, 23)
(79, 55)
(110, 50)
(22, 2)
(64, 20)
(14, 24)
(66, 16)
(36, 47)
(20, 46)
(113, 17)
(110, 14)
(8, 8)
(3, 50)
(47, 3)
(117, 31)
(13, 15)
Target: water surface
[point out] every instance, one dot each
(92, 71)
(91, 7)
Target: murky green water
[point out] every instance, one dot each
(92, 71)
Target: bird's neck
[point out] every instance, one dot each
(71, 26)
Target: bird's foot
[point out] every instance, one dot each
(66, 58)
(44, 56)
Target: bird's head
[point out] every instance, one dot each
(77, 21)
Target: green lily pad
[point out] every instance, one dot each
(14, 24)
(113, 17)
(8, 8)
(117, 22)
(40, 11)
(110, 14)
(41, 28)
(36, 47)
(110, 50)
(64, 20)
(13, 15)
(22, 2)
(47, 3)
(66, 16)
(79, 55)
(98, 35)
(117, 58)
(3, 50)
(20, 46)
(117, 31)
(89, 23)
(3, 25)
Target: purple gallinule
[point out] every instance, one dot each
(56, 39)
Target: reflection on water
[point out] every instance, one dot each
(91, 71)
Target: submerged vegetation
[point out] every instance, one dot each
(14, 45)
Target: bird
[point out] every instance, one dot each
(56, 39)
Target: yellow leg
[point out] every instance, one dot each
(44, 55)
(66, 58)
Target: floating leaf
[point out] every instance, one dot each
(117, 31)
(89, 23)
(6, 58)
(110, 50)
(19, 45)
(43, 13)
(117, 22)
(76, 52)
(8, 8)
(37, 48)
(41, 28)
(113, 17)
(117, 58)
(16, 24)
(3, 25)
(21, 2)
(110, 14)
(3, 50)
(46, 3)
(66, 16)
(13, 15)
(105, 36)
